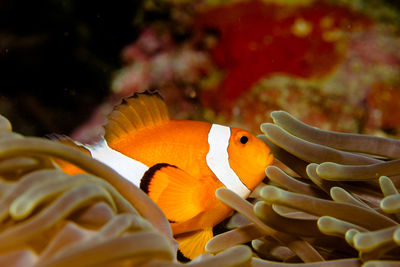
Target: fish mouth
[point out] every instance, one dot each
(265, 155)
(270, 159)
(265, 159)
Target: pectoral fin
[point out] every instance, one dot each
(177, 193)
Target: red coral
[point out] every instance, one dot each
(257, 39)
(383, 107)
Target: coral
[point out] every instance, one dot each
(273, 38)
(339, 207)
(331, 64)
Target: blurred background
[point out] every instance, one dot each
(333, 64)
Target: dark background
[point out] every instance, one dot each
(57, 59)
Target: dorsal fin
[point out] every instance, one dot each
(142, 110)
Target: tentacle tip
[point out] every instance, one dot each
(270, 193)
(267, 126)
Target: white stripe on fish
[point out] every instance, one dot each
(218, 160)
(129, 168)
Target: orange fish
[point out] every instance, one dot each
(180, 164)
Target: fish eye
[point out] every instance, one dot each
(244, 139)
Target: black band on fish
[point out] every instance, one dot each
(149, 174)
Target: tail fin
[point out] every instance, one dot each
(66, 166)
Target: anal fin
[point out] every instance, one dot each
(179, 195)
(193, 244)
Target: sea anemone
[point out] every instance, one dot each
(338, 207)
(334, 202)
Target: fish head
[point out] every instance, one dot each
(249, 156)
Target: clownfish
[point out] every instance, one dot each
(180, 164)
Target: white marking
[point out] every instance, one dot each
(130, 169)
(218, 160)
